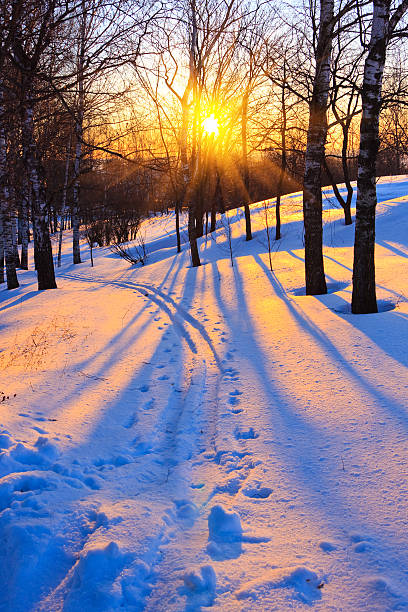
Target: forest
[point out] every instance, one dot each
(112, 111)
(210, 409)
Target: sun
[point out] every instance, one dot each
(210, 126)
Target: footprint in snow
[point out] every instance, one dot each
(230, 373)
(233, 400)
(327, 546)
(248, 434)
(164, 377)
(144, 388)
(186, 511)
(141, 448)
(361, 543)
(257, 491)
(39, 430)
(199, 485)
(149, 404)
(199, 588)
(131, 421)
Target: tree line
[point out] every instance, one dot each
(113, 109)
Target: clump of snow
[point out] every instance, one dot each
(18, 456)
(302, 583)
(225, 534)
(92, 585)
(224, 526)
(199, 588)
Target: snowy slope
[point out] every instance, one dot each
(176, 439)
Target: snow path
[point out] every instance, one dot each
(183, 439)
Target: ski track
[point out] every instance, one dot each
(176, 313)
(171, 443)
(175, 449)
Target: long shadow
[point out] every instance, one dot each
(168, 418)
(387, 403)
(396, 293)
(307, 446)
(163, 299)
(111, 414)
(117, 345)
(392, 248)
(312, 435)
(339, 263)
(157, 298)
(387, 334)
(145, 370)
(19, 300)
(136, 440)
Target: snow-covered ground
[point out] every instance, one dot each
(176, 438)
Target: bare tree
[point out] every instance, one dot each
(316, 138)
(384, 27)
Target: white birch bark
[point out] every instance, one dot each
(64, 201)
(24, 223)
(383, 23)
(42, 243)
(1, 251)
(79, 133)
(7, 233)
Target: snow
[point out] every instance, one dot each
(182, 439)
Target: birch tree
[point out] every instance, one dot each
(384, 27)
(10, 18)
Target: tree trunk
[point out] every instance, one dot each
(7, 230)
(187, 179)
(195, 257)
(364, 295)
(199, 222)
(79, 132)
(316, 139)
(76, 251)
(14, 230)
(19, 230)
(283, 156)
(42, 242)
(11, 273)
(1, 251)
(64, 201)
(213, 221)
(245, 169)
(24, 224)
(346, 175)
(345, 204)
(177, 211)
